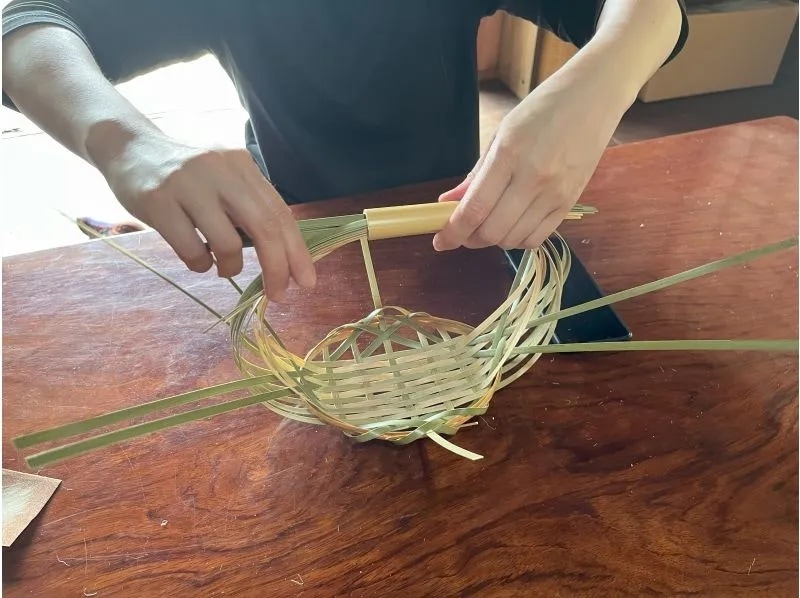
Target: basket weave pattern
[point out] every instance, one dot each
(398, 375)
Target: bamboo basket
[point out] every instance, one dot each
(395, 375)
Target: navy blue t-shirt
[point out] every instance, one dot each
(344, 97)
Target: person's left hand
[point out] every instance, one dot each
(541, 158)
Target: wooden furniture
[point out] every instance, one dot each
(604, 474)
(490, 31)
(732, 44)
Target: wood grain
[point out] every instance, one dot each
(517, 53)
(605, 474)
(552, 53)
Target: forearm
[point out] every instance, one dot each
(633, 40)
(53, 79)
(638, 37)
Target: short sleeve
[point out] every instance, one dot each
(575, 21)
(126, 38)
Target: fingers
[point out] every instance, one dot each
(500, 209)
(178, 230)
(479, 200)
(199, 200)
(514, 221)
(545, 229)
(247, 199)
(187, 193)
(457, 193)
(253, 204)
(524, 226)
(274, 265)
(272, 256)
(507, 214)
(300, 264)
(244, 206)
(216, 226)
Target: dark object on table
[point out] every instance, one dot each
(597, 325)
(107, 229)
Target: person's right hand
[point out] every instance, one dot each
(180, 190)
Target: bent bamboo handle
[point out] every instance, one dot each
(426, 219)
(406, 221)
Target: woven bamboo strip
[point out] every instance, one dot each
(397, 375)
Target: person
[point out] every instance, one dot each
(343, 98)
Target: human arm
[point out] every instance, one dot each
(60, 67)
(548, 147)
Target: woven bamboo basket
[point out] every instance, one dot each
(395, 375)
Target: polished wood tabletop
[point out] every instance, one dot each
(668, 473)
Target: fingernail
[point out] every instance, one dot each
(305, 280)
(308, 282)
(276, 296)
(439, 244)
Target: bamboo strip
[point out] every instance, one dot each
(397, 375)
(776, 346)
(114, 417)
(83, 446)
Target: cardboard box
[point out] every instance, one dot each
(489, 32)
(732, 44)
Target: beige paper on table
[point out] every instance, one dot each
(24, 496)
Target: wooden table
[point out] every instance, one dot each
(604, 474)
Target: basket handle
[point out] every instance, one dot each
(406, 221)
(427, 219)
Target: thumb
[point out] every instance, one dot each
(458, 192)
